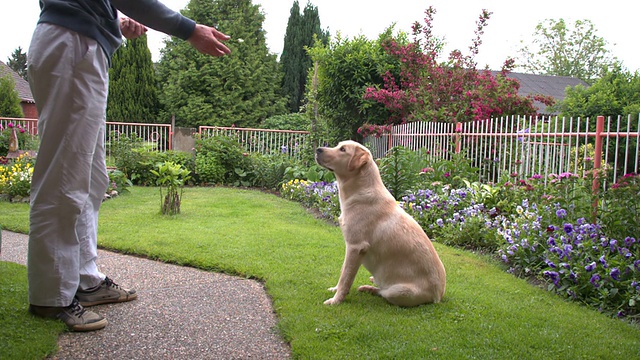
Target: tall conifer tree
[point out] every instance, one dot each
(18, 62)
(301, 29)
(133, 92)
(241, 89)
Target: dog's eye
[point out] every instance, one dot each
(343, 149)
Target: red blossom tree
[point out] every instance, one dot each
(450, 91)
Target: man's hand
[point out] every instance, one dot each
(208, 40)
(131, 29)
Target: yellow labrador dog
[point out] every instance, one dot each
(379, 234)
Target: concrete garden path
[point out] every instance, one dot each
(181, 313)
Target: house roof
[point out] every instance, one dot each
(22, 86)
(549, 85)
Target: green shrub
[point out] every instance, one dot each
(122, 150)
(297, 121)
(136, 158)
(220, 159)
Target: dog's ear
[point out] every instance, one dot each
(358, 159)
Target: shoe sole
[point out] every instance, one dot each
(90, 327)
(108, 301)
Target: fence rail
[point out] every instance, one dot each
(264, 141)
(526, 146)
(157, 136)
(519, 146)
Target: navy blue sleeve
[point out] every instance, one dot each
(156, 15)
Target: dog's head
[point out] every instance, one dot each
(348, 157)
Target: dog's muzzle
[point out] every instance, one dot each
(319, 153)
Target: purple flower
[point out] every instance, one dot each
(550, 263)
(628, 241)
(603, 261)
(567, 250)
(553, 276)
(568, 228)
(636, 264)
(590, 267)
(573, 276)
(594, 280)
(615, 274)
(561, 213)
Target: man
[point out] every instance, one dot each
(68, 63)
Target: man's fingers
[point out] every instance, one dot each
(131, 29)
(207, 40)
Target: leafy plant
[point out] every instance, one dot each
(400, 169)
(620, 215)
(171, 177)
(118, 182)
(268, 170)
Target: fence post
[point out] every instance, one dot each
(597, 164)
(173, 126)
(390, 142)
(457, 137)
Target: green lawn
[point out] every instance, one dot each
(486, 314)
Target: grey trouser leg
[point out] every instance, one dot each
(68, 74)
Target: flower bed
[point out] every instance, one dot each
(575, 258)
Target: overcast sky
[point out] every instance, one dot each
(511, 23)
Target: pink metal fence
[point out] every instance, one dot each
(156, 136)
(264, 141)
(526, 146)
(30, 125)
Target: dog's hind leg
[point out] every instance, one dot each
(405, 295)
(369, 289)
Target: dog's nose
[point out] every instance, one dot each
(318, 150)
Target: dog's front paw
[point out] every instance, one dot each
(333, 301)
(333, 289)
